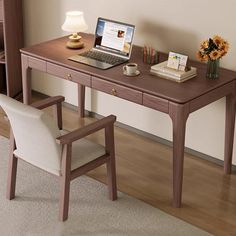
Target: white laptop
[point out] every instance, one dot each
(112, 45)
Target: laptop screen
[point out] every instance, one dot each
(114, 37)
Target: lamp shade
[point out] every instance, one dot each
(74, 22)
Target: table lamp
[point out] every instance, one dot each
(74, 23)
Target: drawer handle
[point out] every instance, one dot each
(114, 92)
(69, 76)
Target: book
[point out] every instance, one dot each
(164, 71)
(173, 78)
(177, 61)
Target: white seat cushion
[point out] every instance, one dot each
(84, 151)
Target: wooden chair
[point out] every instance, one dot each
(38, 140)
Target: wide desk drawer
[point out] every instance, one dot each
(69, 74)
(117, 90)
(1, 10)
(156, 103)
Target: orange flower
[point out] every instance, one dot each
(218, 40)
(213, 49)
(201, 56)
(214, 55)
(224, 46)
(204, 44)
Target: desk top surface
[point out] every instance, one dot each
(56, 52)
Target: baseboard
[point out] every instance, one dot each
(164, 141)
(148, 135)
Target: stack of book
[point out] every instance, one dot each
(161, 70)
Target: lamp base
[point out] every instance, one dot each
(74, 42)
(74, 45)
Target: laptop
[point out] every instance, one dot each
(112, 45)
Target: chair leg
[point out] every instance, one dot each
(12, 170)
(65, 182)
(111, 178)
(64, 198)
(111, 164)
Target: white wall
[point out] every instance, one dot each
(168, 26)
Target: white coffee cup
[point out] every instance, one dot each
(130, 68)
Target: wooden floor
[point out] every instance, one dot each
(144, 171)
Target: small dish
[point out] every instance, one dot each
(135, 74)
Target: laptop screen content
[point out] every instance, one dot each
(114, 37)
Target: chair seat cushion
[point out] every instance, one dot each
(84, 151)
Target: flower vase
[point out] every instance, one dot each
(213, 69)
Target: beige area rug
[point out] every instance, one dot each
(34, 211)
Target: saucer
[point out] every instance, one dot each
(135, 74)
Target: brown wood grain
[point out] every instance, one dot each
(179, 114)
(229, 128)
(117, 90)
(182, 98)
(90, 166)
(212, 96)
(1, 36)
(65, 182)
(47, 102)
(26, 79)
(111, 164)
(69, 74)
(13, 41)
(81, 100)
(87, 130)
(145, 82)
(156, 103)
(37, 64)
(12, 169)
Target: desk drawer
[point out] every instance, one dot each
(37, 64)
(117, 90)
(156, 103)
(69, 74)
(1, 10)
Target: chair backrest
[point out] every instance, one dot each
(35, 135)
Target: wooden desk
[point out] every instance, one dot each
(177, 100)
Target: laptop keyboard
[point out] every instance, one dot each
(103, 57)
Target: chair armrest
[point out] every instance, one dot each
(86, 130)
(47, 102)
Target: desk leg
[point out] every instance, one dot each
(229, 132)
(26, 79)
(179, 114)
(81, 100)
